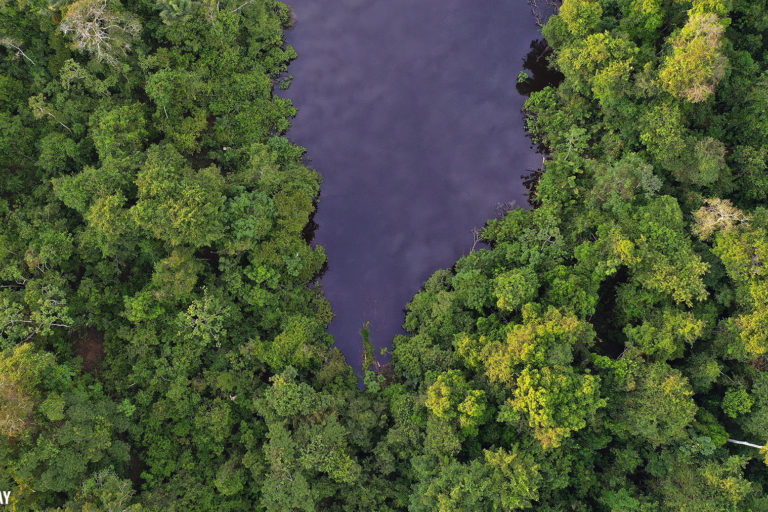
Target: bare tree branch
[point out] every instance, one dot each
(541, 9)
(99, 31)
(751, 445)
(476, 238)
(15, 45)
(246, 3)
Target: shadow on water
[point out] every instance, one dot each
(542, 74)
(308, 233)
(531, 183)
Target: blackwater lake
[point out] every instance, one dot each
(408, 109)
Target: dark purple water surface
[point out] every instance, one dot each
(409, 111)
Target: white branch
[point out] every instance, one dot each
(16, 46)
(476, 238)
(246, 3)
(751, 445)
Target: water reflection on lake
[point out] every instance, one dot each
(409, 110)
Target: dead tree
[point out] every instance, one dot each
(99, 31)
(542, 9)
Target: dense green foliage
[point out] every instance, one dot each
(164, 346)
(601, 353)
(161, 333)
